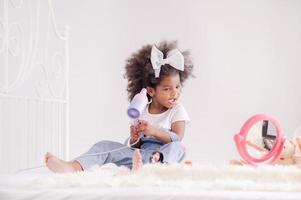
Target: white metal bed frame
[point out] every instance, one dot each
(34, 84)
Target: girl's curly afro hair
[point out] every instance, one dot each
(140, 73)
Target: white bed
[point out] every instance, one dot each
(143, 193)
(157, 182)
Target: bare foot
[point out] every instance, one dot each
(57, 165)
(137, 160)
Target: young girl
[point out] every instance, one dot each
(162, 70)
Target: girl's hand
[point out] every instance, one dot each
(145, 127)
(134, 134)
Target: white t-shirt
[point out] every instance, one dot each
(165, 119)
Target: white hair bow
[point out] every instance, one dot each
(173, 58)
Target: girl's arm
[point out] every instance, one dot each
(166, 136)
(134, 137)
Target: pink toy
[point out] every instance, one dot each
(138, 104)
(241, 141)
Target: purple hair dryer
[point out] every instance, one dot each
(138, 104)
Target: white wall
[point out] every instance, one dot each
(246, 54)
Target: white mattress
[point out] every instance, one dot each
(149, 193)
(42, 184)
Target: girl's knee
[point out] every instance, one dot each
(177, 145)
(100, 143)
(106, 144)
(173, 152)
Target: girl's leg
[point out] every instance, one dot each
(101, 153)
(173, 152)
(106, 152)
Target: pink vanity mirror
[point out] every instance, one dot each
(260, 140)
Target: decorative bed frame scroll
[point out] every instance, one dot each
(34, 84)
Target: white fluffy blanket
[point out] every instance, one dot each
(204, 177)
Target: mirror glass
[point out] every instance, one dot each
(261, 138)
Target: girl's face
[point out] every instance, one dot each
(167, 92)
